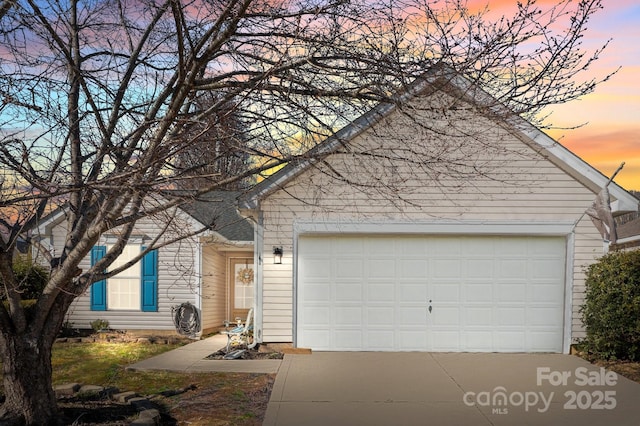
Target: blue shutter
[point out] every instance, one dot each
(149, 299)
(99, 288)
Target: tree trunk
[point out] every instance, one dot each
(27, 381)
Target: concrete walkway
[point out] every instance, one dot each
(372, 388)
(191, 358)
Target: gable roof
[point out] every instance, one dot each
(442, 78)
(218, 209)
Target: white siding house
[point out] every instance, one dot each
(482, 250)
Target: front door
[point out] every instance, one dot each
(241, 287)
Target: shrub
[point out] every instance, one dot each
(32, 278)
(99, 325)
(611, 311)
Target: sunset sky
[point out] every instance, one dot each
(611, 134)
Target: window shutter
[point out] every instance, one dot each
(149, 283)
(99, 288)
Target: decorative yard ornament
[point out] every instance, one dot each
(600, 212)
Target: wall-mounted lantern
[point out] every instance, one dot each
(277, 255)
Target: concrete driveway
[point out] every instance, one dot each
(410, 388)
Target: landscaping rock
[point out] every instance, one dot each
(91, 390)
(109, 392)
(115, 337)
(148, 415)
(123, 396)
(67, 389)
(148, 418)
(141, 403)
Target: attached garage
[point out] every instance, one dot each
(431, 293)
(429, 224)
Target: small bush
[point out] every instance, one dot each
(99, 325)
(611, 311)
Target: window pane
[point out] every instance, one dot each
(123, 290)
(243, 289)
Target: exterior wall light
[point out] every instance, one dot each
(277, 255)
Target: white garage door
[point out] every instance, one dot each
(450, 293)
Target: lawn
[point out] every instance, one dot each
(188, 398)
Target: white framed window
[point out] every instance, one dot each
(135, 288)
(123, 289)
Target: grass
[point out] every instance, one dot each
(100, 363)
(212, 398)
(209, 399)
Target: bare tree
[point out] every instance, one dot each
(217, 148)
(97, 97)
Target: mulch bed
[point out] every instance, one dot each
(246, 354)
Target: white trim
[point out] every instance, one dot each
(111, 239)
(197, 267)
(628, 239)
(568, 292)
(258, 252)
(465, 227)
(294, 290)
(44, 228)
(227, 246)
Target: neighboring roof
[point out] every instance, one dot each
(218, 209)
(628, 230)
(444, 78)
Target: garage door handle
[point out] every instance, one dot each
(430, 307)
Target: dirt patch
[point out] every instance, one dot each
(213, 399)
(628, 369)
(241, 401)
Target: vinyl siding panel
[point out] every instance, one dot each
(503, 180)
(177, 283)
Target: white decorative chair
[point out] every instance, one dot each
(242, 335)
